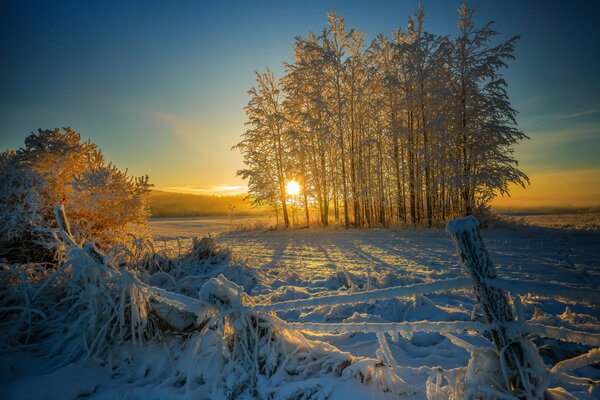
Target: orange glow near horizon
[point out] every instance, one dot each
(216, 190)
(556, 189)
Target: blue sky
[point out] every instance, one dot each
(160, 85)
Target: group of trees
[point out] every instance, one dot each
(55, 167)
(414, 128)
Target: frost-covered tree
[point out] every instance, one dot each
(309, 118)
(55, 167)
(265, 145)
(484, 118)
(335, 47)
(413, 128)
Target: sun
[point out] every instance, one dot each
(292, 188)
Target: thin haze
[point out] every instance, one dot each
(160, 86)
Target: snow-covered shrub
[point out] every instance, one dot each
(89, 308)
(20, 207)
(186, 273)
(260, 358)
(56, 167)
(106, 205)
(78, 309)
(486, 376)
(207, 252)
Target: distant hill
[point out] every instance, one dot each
(168, 204)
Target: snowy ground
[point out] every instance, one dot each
(188, 227)
(579, 221)
(305, 263)
(520, 252)
(302, 263)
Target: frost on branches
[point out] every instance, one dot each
(57, 167)
(410, 128)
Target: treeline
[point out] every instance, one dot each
(414, 127)
(168, 204)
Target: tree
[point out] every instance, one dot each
(485, 119)
(335, 43)
(264, 144)
(415, 127)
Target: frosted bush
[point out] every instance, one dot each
(187, 272)
(263, 359)
(90, 308)
(56, 167)
(20, 207)
(78, 309)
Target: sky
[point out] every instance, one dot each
(160, 86)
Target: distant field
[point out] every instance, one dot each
(189, 227)
(577, 221)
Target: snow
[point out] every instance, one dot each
(547, 289)
(591, 357)
(462, 224)
(372, 295)
(394, 297)
(391, 327)
(189, 227)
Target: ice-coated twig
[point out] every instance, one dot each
(591, 357)
(565, 334)
(385, 348)
(63, 224)
(463, 344)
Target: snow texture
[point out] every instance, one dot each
(210, 331)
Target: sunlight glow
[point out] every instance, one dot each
(292, 188)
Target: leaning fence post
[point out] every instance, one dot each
(64, 228)
(477, 265)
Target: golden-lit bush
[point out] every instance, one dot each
(56, 167)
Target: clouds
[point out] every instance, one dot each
(221, 189)
(578, 114)
(559, 135)
(185, 129)
(561, 141)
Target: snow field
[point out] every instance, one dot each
(303, 264)
(319, 348)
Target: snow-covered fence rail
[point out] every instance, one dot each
(561, 370)
(545, 289)
(372, 295)
(391, 327)
(560, 333)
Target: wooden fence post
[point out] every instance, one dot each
(477, 265)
